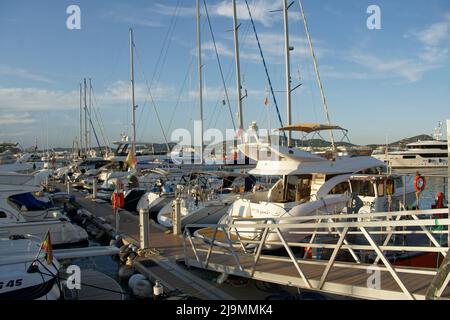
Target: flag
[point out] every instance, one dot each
(131, 159)
(46, 246)
(266, 101)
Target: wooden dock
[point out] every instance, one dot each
(162, 266)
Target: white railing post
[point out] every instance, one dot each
(144, 229)
(176, 217)
(94, 188)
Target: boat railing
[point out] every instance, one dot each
(366, 240)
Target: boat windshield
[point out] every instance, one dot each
(28, 201)
(363, 188)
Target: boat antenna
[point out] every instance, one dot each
(316, 68)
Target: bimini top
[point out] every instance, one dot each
(309, 127)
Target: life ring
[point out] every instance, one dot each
(419, 183)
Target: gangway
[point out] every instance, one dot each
(357, 259)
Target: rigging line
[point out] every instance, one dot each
(100, 120)
(93, 129)
(99, 123)
(316, 68)
(219, 64)
(149, 93)
(157, 72)
(180, 93)
(227, 79)
(265, 66)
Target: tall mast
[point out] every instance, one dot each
(238, 67)
(90, 114)
(133, 103)
(81, 119)
(200, 79)
(288, 68)
(85, 120)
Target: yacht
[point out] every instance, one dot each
(420, 154)
(19, 279)
(308, 183)
(21, 213)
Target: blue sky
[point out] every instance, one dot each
(391, 82)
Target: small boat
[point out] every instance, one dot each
(21, 213)
(19, 279)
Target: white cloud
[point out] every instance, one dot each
(434, 49)
(28, 99)
(21, 73)
(435, 40)
(266, 12)
(123, 13)
(407, 68)
(14, 118)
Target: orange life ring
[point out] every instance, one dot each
(419, 183)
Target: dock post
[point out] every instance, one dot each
(68, 186)
(144, 228)
(94, 188)
(176, 217)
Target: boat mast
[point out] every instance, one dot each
(238, 67)
(90, 115)
(288, 71)
(81, 119)
(200, 79)
(85, 120)
(133, 103)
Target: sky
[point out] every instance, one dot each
(381, 84)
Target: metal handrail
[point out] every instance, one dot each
(339, 227)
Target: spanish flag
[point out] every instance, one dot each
(46, 246)
(131, 159)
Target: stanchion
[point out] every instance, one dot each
(176, 217)
(94, 189)
(144, 230)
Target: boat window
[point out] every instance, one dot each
(409, 157)
(363, 188)
(398, 182)
(433, 155)
(380, 188)
(2, 214)
(341, 188)
(297, 188)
